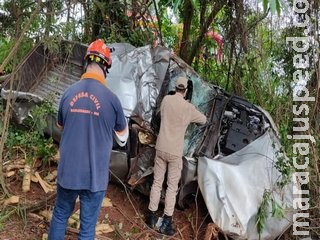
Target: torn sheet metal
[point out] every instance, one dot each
(23, 103)
(233, 187)
(136, 77)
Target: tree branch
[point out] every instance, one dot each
(196, 46)
(159, 21)
(7, 111)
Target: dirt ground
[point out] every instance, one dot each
(121, 217)
(124, 214)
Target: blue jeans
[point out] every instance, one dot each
(90, 204)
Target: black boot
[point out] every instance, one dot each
(166, 226)
(151, 219)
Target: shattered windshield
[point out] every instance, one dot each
(202, 98)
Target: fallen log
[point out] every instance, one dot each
(26, 178)
(104, 228)
(35, 207)
(13, 167)
(15, 162)
(36, 216)
(46, 214)
(43, 184)
(34, 179)
(11, 200)
(106, 202)
(51, 176)
(10, 174)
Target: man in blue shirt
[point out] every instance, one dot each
(88, 115)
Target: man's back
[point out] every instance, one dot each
(89, 113)
(176, 115)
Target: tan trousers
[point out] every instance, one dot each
(174, 164)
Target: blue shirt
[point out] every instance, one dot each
(88, 112)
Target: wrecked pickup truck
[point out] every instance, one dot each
(232, 159)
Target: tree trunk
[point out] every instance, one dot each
(185, 44)
(242, 28)
(197, 45)
(96, 24)
(49, 18)
(86, 25)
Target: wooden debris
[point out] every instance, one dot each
(36, 216)
(41, 204)
(180, 233)
(36, 163)
(45, 236)
(11, 200)
(13, 167)
(104, 228)
(16, 162)
(34, 179)
(106, 202)
(212, 232)
(21, 162)
(26, 178)
(51, 176)
(46, 214)
(10, 174)
(43, 184)
(49, 186)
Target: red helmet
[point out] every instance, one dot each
(99, 52)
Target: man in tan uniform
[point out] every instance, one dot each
(176, 114)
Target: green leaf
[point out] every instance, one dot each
(278, 7)
(273, 4)
(277, 210)
(265, 5)
(262, 214)
(195, 5)
(176, 5)
(101, 6)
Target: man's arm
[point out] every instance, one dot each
(121, 129)
(122, 136)
(197, 116)
(59, 122)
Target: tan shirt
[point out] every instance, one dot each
(176, 114)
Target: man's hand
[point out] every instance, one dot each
(59, 126)
(122, 136)
(188, 96)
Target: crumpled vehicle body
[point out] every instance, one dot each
(233, 187)
(232, 158)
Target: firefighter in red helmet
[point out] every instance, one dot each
(99, 53)
(88, 115)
